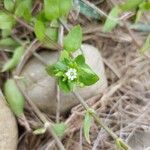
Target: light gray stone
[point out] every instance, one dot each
(8, 127)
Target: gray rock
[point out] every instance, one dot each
(41, 88)
(8, 127)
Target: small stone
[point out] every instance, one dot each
(8, 127)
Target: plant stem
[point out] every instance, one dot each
(97, 119)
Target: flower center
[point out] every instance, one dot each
(71, 73)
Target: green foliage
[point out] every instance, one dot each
(73, 40)
(9, 5)
(111, 21)
(13, 62)
(39, 30)
(14, 97)
(8, 42)
(84, 75)
(5, 33)
(59, 128)
(6, 21)
(146, 45)
(51, 9)
(52, 33)
(145, 6)
(55, 9)
(64, 7)
(130, 5)
(86, 126)
(23, 9)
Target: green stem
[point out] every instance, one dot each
(97, 119)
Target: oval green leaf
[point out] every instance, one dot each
(111, 21)
(51, 9)
(6, 21)
(13, 62)
(9, 5)
(86, 126)
(64, 7)
(14, 97)
(39, 30)
(130, 5)
(73, 40)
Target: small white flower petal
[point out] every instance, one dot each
(71, 74)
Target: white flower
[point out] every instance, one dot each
(71, 74)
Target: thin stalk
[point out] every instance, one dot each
(97, 119)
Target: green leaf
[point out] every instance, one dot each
(52, 33)
(8, 42)
(130, 5)
(39, 30)
(60, 66)
(87, 125)
(145, 6)
(6, 33)
(23, 9)
(80, 60)
(64, 85)
(111, 21)
(138, 15)
(64, 7)
(39, 131)
(146, 45)
(41, 16)
(9, 5)
(50, 69)
(86, 75)
(64, 55)
(51, 9)
(13, 62)
(59, 128)
(6, 21)
(14, 97)
(73, 40)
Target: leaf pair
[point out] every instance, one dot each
(55, 9)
